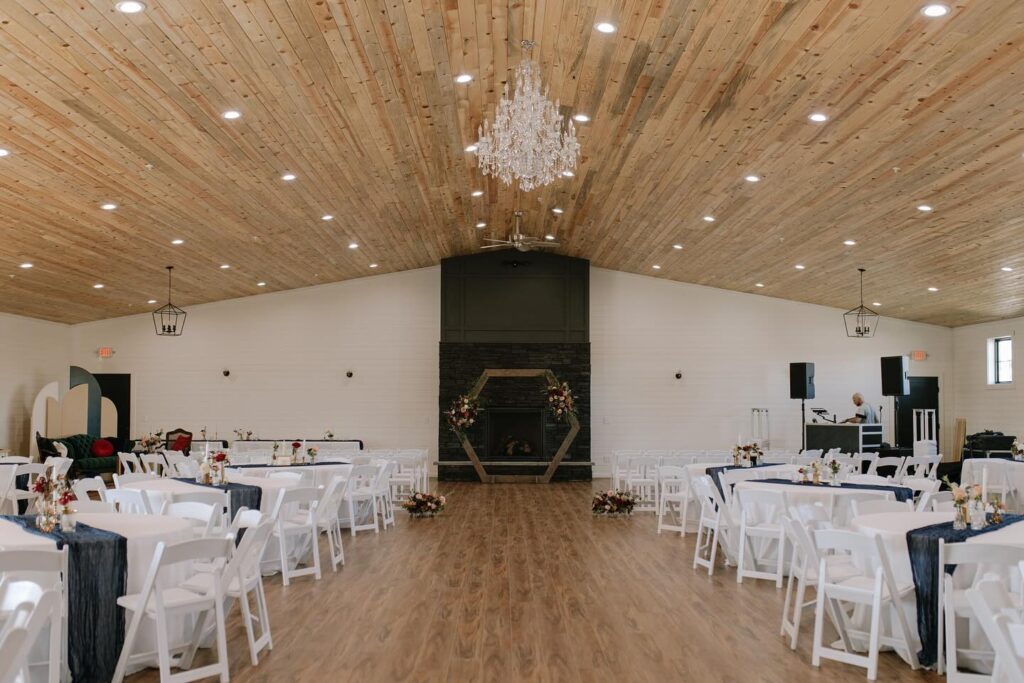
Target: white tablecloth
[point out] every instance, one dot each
(321, 474)
(971, 474)
(834, 498)
(893, 528)
(159, 490)
(142, 532)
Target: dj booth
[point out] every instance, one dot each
(847, 437)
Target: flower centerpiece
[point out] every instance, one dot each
(1017, 449)
(614, 502)
(311, 453)
(745, 454)
(979, 518)
(424, 504)
(998, 508)
(561, 401)
(53, 500)
(273, 456)
(211, 470)
(243, 434)
(151, 442)
(833, 468)
(814, 469)
(295, 452)
(462, 415)
(961, 497)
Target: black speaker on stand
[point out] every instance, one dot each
(895, 383)
(801, 386)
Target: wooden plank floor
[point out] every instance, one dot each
(518, 582)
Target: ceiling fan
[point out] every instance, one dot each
(517, 240)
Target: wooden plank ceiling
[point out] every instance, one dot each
(357, 98)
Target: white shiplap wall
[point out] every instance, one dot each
(984, 406)
(33, 353)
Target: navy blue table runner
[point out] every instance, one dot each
(97, 577)
(923, 545)
(241, 495)
(713, 473)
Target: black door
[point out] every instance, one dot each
(924, 393)
(118, 388)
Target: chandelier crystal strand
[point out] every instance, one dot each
(528, 142)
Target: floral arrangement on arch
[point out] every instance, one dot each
(561, 401)
(614, 503)
(424, 504)
(747, 451)
(151, 442)
(462, 415)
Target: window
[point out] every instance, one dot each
(1002, 360)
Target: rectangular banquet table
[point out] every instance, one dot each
(320, 473)
(102, 569)
(159, 491)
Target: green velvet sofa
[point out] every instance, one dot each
(80, 450)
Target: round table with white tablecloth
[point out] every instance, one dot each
(972, 470)
(892, 528)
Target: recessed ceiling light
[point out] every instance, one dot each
(656, 267)
(97, 286)
(876, 303)
(231, 115)
(799, 266)
(353, 245)
(709, 219)
(471, 148)
(463, 78)
(481, 224)
(177, 242)
(933, 289)
(818, 117)
(1006, 269)
(224, 266)
(25, 265)
(373, 265)
(605, 27)
(557, 210)
(677, 246)
(151, 301)
(288, 176)
(3, 152)
(582, 118)
(849, 243)
(261, 284)
(326, 217)
(752, 178)
(129, 7)
(568, 174)
(934, 11)
(549, 238)
(924, 207)
(477, 193)
(108, 206)
(759, 284)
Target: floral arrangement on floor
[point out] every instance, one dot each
(424, 504)
(561, 401)
(614, 503)
(743, 454)
(151, 442)
(311, 453)
(53, 498)
(462, 415)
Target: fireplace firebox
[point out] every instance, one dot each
(514, 434)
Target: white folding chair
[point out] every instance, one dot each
(920, 466)
(1003, 628)
(361, 499)
(923, 489)
(33, 471)
(129, 463)
(674, 490)
(327, 520)
(154, 464)
(203, 517)
(35, 609)
(714, 526)
(729, 478)
(130, 501)
(872, 479)
(953, 604)
(761, 530)
(131, 478)
(163, 599)
(83, 487)
(844, 511)
(996, 481)
(241, 578)
(7, 477)
(295, 521)
(27, 573)
(92, 506)
(875, 507)
(642, 480)
(59, 466)
(942, 501)
(895, 462)
(873, 589)
(382, 492)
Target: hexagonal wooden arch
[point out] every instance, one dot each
(545, 478)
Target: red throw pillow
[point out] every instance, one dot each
(101, 448)
(181, 443)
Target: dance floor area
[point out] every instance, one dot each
(519, 582)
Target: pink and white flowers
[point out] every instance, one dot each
(424, 504)
(561, 401)
(462, 415)
(614, 502)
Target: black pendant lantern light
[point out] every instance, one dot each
(169, 320)
(861, 322)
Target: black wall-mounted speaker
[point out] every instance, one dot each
(895, 375)
(801, 380)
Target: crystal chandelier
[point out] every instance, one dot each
(169, 320)
(528, 141)
(861, 322)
